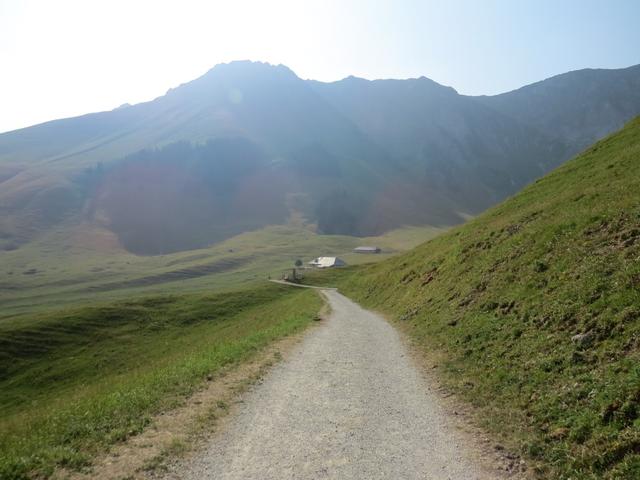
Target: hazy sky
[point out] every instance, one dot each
(67, 57)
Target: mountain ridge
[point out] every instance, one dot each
(347, 78)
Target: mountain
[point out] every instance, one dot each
(531, 312)
(578, 107)
(251, 144)
(470, 155)
(130, 170)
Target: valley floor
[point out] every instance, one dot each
(349, 402)
(78, 266)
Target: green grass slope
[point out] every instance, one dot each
(75, 381)
(534, 308)
(70, 267)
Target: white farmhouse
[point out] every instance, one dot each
(327, 262)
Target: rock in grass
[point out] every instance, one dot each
(583, 340)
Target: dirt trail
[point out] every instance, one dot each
(347, 403)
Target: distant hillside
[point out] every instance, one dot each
(532, 312)
(350, 157)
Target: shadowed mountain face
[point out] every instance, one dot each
(250, 144)
(470, 155)
(184, 196)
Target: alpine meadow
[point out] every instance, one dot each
(293, 251)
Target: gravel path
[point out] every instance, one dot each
(348, 403)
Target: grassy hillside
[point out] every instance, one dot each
(533, 310)
(72, 266)
(72, 382)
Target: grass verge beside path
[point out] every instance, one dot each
(74, 382)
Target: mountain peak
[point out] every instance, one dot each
(243, 67)
(236, 72)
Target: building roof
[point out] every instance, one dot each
(324, 262)
(366, 248)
